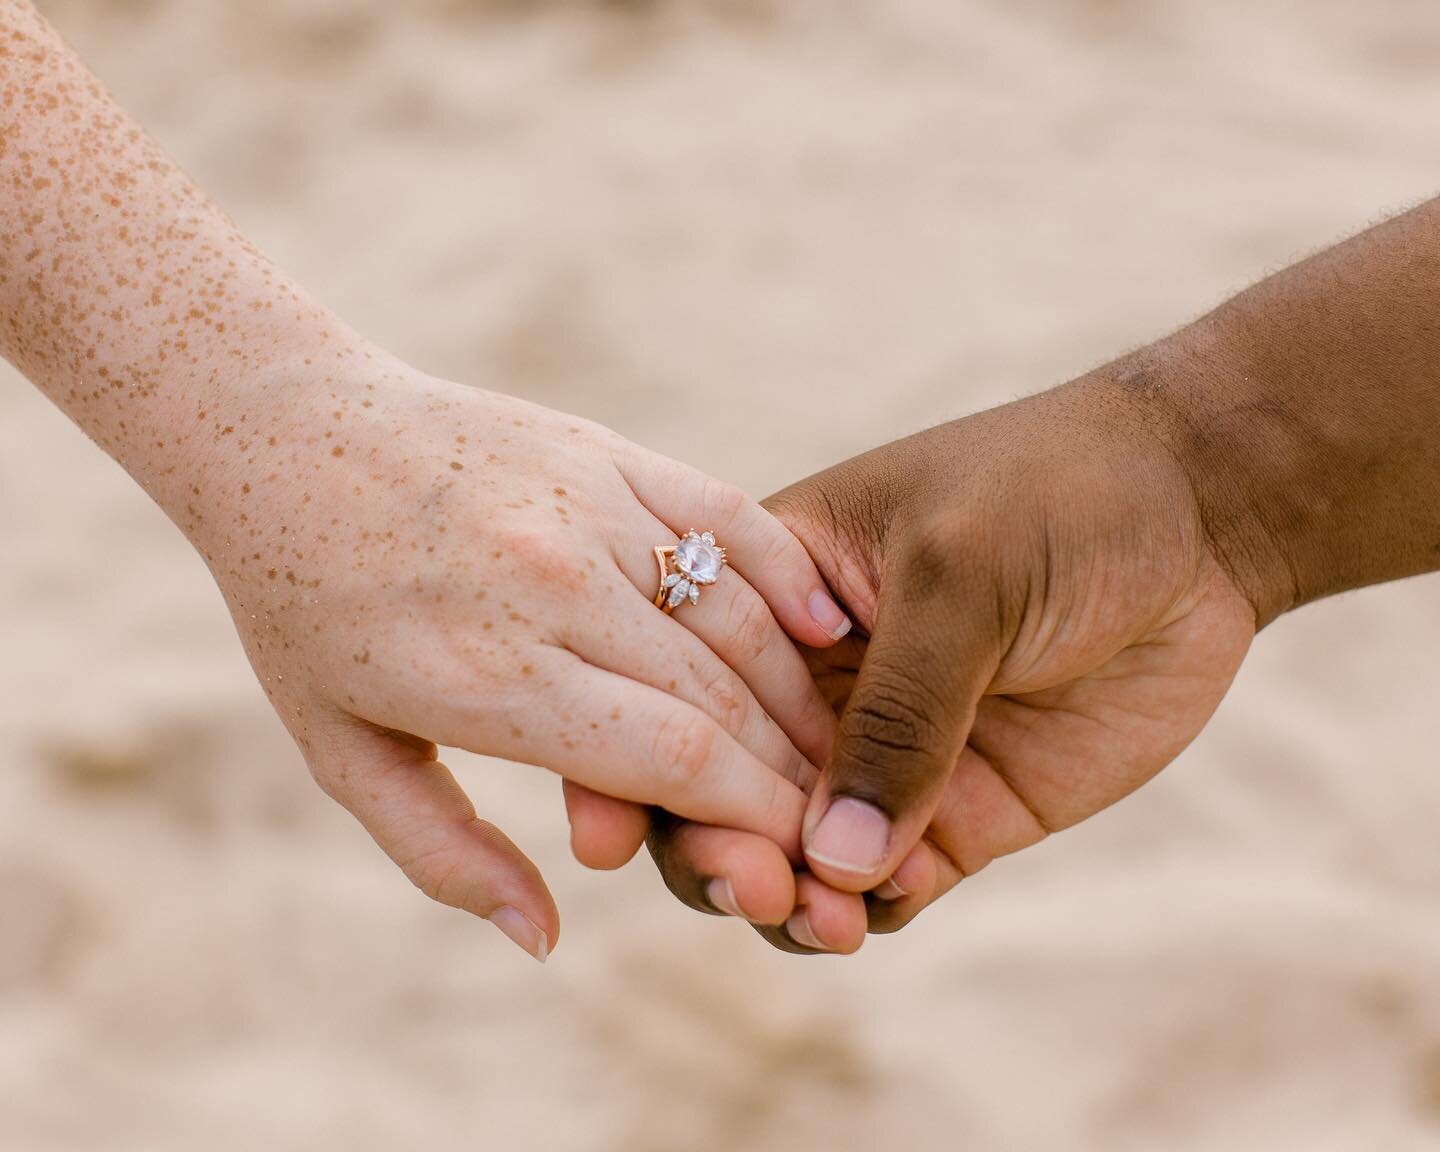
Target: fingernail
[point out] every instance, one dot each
(522, 930)
(852, 837)
(721, 893)
(890, 891)
(826, 613)
(798, 928)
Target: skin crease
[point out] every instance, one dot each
(1057, 593)
(1102, 633)
(409, 562)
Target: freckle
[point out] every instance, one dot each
(615, 712)
(527, 670)
(559, 491)
(560, 508)
(457, 466)
(271, 574)
(673, 686)
(363, 657)
(487, 625)
(337, 451)
(516, 733)
(480, 595)
(245, 488)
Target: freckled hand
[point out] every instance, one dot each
(409, 562)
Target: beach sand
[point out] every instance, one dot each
(761, 235)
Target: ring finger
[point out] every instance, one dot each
(734, 622)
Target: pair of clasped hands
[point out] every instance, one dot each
(917, 661)
(1038, 627)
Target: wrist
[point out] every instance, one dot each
(258, 419)
(1239, 457)
(1305, 485)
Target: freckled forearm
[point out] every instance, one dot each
(126, 295)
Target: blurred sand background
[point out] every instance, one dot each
(763, 234)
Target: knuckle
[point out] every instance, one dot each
(525, 545)
(477, 696)
(725, 702)
(886, 745)
(886, 718)
(722, 503)
(335, 760)
(936, 550)
(778, 548)
(433, 870)
(719, 694)
(684, 746)
(749, 628)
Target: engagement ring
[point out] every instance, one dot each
(684, 567)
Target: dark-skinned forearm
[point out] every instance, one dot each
(1306, 412)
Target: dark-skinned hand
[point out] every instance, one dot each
(1042, 625)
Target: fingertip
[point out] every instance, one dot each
(524, 932)
(605, 833)
(828, 617)
(924, 876)
(916, 876)
(764, 892)
(720, 869)
(814, 618)
(835, 921)
(850, 845)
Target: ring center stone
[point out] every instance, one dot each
(698, 560)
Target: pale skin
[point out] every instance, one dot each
(1057, 594)
(409, 562)
(1054, 596)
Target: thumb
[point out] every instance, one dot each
(937, 642)
(418, 813)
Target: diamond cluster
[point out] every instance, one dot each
(699, 560)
